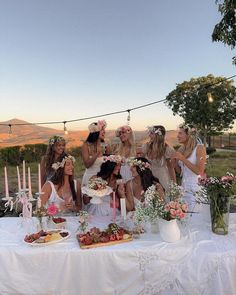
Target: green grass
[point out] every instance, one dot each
(221, 162)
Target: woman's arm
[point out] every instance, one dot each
(46, 192)
(197, 168)
(89, 159)
(170, 166)
(78, 203)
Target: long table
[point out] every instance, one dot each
(200, 263)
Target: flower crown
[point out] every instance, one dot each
(96, 127)
(189, 128)
(135, 162)
(114, 158)
(61, 164)
(123, 129)
(55, 138)
(153, 129)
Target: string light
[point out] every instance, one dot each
(10, 130)
(210, 98)
(65, 129)
(128, 118)
(109, 114)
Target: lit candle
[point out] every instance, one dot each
(24, 177)
(18, 178)
(114, 206)
(39, 178)
(123, 207)
(29, 183)
(6, 183)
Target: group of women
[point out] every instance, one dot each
(128, 171)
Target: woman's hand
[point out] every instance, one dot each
(178, 156)
(121, 190)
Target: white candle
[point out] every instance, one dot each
(39, 178)
(24, 177)
(123, 207)
(29, 182)
(6, 183)
(18, 178)
(39, 202)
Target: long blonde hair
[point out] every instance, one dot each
(130, 142)
(156, 149)
(191, 143)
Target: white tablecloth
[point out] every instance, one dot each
(200, 263)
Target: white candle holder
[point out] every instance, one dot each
(7, 198)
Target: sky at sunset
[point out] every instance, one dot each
(70, 59)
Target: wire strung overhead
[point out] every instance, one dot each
(64, 122)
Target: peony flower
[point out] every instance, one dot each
(52, 209)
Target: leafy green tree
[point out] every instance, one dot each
(190, 100)
(225, 30)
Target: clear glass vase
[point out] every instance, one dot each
(219, 208)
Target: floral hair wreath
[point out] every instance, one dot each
(96, 127)
(56, 138)
(61, 164)
(123, 129)
(142, 165)
(153, 129)
(114, 158)
(189, 128)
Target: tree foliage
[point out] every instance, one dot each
(190, 101)
(225, 30)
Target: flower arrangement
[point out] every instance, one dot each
(97, 183)
(83, 220)
(61, 164)
(55, 138)
(217, 191)
(123, 129)
(155, 206)
(142, 165)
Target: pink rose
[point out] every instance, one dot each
(52, 209)
(185, 207)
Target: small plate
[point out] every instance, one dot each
(50, 242)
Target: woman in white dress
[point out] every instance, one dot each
(190, 161)
(56, 148)
(158, 152)
(93, 150)
(110, 171)
(126, 148)
(62, 189)
(141, 181)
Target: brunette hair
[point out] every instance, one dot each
(58, 178)
(147, 178)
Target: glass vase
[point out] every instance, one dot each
(219, 208)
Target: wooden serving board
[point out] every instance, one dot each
(95, 245)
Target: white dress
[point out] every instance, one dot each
(54, 198)
(159, 167)
(57, 200)
(190, 179)
(125, 172)
(103, 209)
(91, 171)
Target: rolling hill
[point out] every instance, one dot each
(32, 134)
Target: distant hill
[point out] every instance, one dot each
(32, 134)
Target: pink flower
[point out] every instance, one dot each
(52, 209)
(173, 213)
